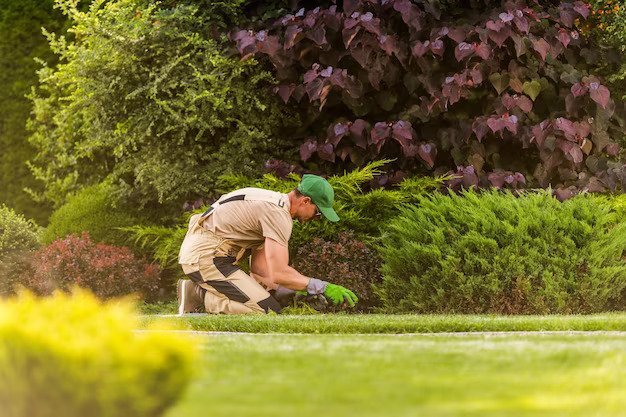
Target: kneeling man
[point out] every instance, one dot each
(256, 221)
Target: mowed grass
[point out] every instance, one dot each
(379, 323)
(408, 375)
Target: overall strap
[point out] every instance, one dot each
(247, 194)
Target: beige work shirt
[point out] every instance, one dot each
(242, 222)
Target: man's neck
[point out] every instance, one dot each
(292, 204)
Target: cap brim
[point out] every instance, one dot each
(329, 213)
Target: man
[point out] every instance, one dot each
(256, 221)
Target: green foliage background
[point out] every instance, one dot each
(21, 41)
(149, 96)
(142, 105)
(19, 237)
(16, 232)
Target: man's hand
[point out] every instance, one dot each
(333, 292)
(338, 295)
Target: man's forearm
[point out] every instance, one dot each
(292, 279)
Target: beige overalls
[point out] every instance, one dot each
(211, 261)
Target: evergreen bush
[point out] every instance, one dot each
(94, 210)
(498, 253)
(74, 356)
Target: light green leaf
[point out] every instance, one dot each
(532, 89)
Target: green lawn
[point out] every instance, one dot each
(482, 375)
(378, 323)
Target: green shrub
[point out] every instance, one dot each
(73, 356)
(607, 26)
(13, 265)
(496, 253)
(93, 210)
(16, 232)
(148, 93)
(18, 238)
(617, 202)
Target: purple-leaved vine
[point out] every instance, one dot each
(501, 95)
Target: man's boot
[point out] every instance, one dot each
(190, 297)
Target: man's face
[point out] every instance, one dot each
(308, 211)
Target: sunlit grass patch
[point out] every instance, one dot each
(411, 375)
(380, 323)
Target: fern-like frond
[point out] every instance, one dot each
(162, 242)
(349, 184)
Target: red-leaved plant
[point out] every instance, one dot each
(499, 93)
(108, 271)
(348, 262)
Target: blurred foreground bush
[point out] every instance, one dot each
(108, 271)
(72, 356)
(497, 253)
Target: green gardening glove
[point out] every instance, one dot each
(338, 294)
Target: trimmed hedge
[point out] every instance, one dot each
(73, 356)
(497, 253)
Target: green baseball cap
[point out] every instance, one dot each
(322, 194)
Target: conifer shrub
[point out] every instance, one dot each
(94, 210)
(108, 271)
(348, 262)
(74, 356)
(498, 253)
